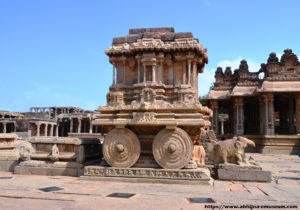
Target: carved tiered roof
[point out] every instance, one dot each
(241, 77)
(276, 72)
(155, 39)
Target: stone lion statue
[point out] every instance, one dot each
(231, 150)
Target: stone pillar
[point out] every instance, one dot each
(91, 127)
(124, 72)
(195, 78)
(71, 125)
(49, 113)
(144, 73)
(114, 73)
(189, 71)
(238, 116)
(38, 129)
(51, 129)
(56, 129)
(215, 119)
(183, 73)
(222, 127)
(4, 127)
(297, 97)
(46, 130)
(138, 79)
(268, 116)
(153, 74)
(79, 125)
(15, 127)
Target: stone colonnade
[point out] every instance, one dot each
(156, 64)
(5, 125)
(82, 122)
(266, 113)
(47, 126)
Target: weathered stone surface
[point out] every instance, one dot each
(9, 156)
(239, 173)
(200, 174)
(60, 156)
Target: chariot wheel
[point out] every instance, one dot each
(172, 148)
(121, 148)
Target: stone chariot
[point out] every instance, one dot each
(153, 112)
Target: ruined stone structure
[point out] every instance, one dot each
(49, 121)
(153, 111)
(59, 156)
(263, 105)
(9, 156)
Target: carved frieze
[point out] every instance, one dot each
(144, 116)
(146, 173)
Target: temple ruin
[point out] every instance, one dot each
(262, 105)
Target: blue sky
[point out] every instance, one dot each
(52, 51)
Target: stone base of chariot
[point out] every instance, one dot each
(51, 169)
(243, 173)
(200, 176)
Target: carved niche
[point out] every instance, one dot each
(148, 95)
(116, 98)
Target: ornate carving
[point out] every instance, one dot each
(228, 72)
(219, 72)
(231, 150)
(243, 65)
(121, 148)
(146, 173)
(172, 149)
(54, 153)
(288, 54)
(116, 98)
(144, 116)
(148, 95)
(272, 58)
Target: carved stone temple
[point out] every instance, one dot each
(153, 115)
(263, 105)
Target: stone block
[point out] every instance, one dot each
(149, 175)
(183, 35)
(240, 173)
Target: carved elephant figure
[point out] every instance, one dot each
(232, 150)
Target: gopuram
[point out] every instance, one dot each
(153, 116)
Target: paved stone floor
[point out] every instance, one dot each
(22, 191)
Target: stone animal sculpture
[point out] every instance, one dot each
(54, 153)
(25, 149)
(199, 155)
(231, 150)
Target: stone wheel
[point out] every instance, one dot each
(121, 148)
(172, 149)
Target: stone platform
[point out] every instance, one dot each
(243, 173)
(199, 176)
(60, 156)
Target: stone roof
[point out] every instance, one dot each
(154, 39)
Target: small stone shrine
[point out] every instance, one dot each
(9, 156)
(153, 116)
